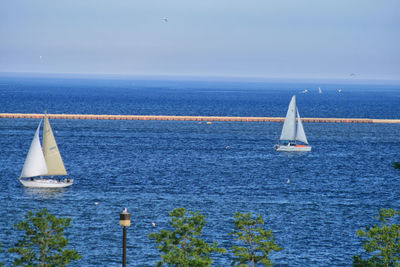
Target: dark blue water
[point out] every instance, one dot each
(152, 167)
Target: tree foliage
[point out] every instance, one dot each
(1, 250)
(44, 242)
(255, 242)
(381, 241)
(396, 165)
(183, 245)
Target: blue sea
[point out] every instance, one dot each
(152, 167)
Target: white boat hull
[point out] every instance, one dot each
(297, 148)
(46, 183)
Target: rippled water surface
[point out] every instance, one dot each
(152, 167)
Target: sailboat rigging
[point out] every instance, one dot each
(43, 163)
(293, 138)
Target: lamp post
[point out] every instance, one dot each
(125, 221)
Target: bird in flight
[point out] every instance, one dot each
(165, 19)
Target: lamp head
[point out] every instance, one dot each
(125, 218)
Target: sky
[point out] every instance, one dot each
(227, 38)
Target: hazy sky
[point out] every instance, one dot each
(264, 38)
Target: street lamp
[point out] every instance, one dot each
(125, 221)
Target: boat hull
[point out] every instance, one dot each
(297, 148)
(46, 183)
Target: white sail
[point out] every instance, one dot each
(35, 164)
(51, 153)
(300, 134)
(289, 125)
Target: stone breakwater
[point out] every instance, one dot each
(187, 118)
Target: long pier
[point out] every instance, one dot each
(187, 118)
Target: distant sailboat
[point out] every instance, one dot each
(291, 133)
(44, 161)
(319, 90)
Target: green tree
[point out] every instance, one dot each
(258, 242)
(44, 241)
(396, 165)
(183, 245)
(381, 241)
(1, 250)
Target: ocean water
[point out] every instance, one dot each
(152, 167)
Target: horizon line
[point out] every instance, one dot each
(199, 77)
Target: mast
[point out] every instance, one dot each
(51, 153)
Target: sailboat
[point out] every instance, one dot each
(293, 138)
(43, 163)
